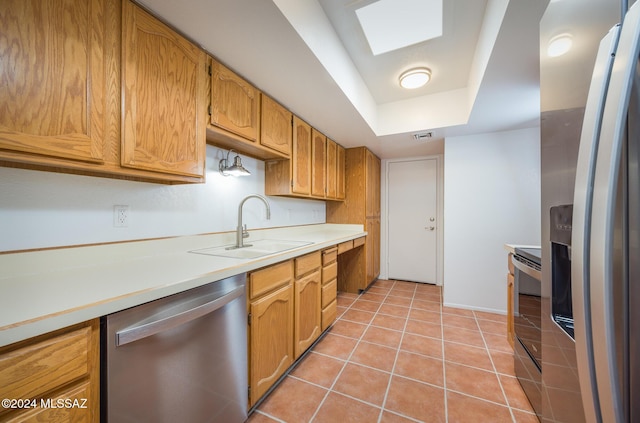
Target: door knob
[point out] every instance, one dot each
(431, 228)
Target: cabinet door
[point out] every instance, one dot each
(271, 334)
(318, 167)
(52, 68)
(301, 157)
(332, 173)
(164, 79)
(372, 246)
(340, 172)
(307, 305)
(234, 103)
(275, 128)
(372, 185)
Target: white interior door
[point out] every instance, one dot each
(412, 220)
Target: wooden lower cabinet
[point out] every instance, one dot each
(58, 372)
(270, 327)
(329, 286)
(307, 302)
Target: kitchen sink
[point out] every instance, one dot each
(255, 249)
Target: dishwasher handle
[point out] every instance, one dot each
(145, 330)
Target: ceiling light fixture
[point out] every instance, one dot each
(415, 78)
(236, 169)
(559, 45)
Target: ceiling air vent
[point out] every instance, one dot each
(422, 136)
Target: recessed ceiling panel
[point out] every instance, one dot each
(393, 24)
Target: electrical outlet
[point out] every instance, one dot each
(120, 216)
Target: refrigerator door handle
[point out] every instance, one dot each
(607, 174)
(582, 209)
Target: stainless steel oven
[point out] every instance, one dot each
(527, 321)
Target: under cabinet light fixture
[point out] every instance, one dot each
(236, 169)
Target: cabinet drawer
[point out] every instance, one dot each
(35, 369)
(329, 315)
(307, 263)
(329, 255)
(329, 272)
(358, 241)
(269, 278)
(345, 246)
(329, 292)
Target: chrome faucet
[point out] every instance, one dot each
(241, 231)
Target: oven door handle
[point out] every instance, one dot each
(534, 273)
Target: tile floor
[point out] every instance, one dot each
(395, 354)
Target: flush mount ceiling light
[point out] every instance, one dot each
(559, 45)
(236, 169)
(415, 78)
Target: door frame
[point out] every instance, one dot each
(384, 218)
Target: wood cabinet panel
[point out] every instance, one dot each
(271, 339)
(276, 126)
(63, 364)
(360, 266)
(264, 280)
(53, 89)
(340, 172)
(307, 263)
(163, 77)
(301, 157)
(329, 255)
(329, 315)
(234, 103)
(307, 306)
(329, 292)
(318, 160)
(332, 170)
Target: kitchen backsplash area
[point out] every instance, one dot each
(44, 209)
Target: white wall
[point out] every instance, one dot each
(491, 197)
(44, 209)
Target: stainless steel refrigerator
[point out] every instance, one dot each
(590, 112)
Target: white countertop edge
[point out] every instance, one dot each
(512, 247)
(198, 270)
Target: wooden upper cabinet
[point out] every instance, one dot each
(301, 157)
(163, 78)
(276, 126)
(235, 104)
(332, 173)
(318, 160)
(340, 172)
(52, 68)
(372, 205)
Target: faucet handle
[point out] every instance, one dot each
(245, 233)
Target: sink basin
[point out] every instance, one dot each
(254, 249)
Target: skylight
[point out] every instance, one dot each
(393, 24)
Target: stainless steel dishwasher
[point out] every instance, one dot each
(181, 358)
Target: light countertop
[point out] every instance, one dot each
(42, 291)
(512, 247)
